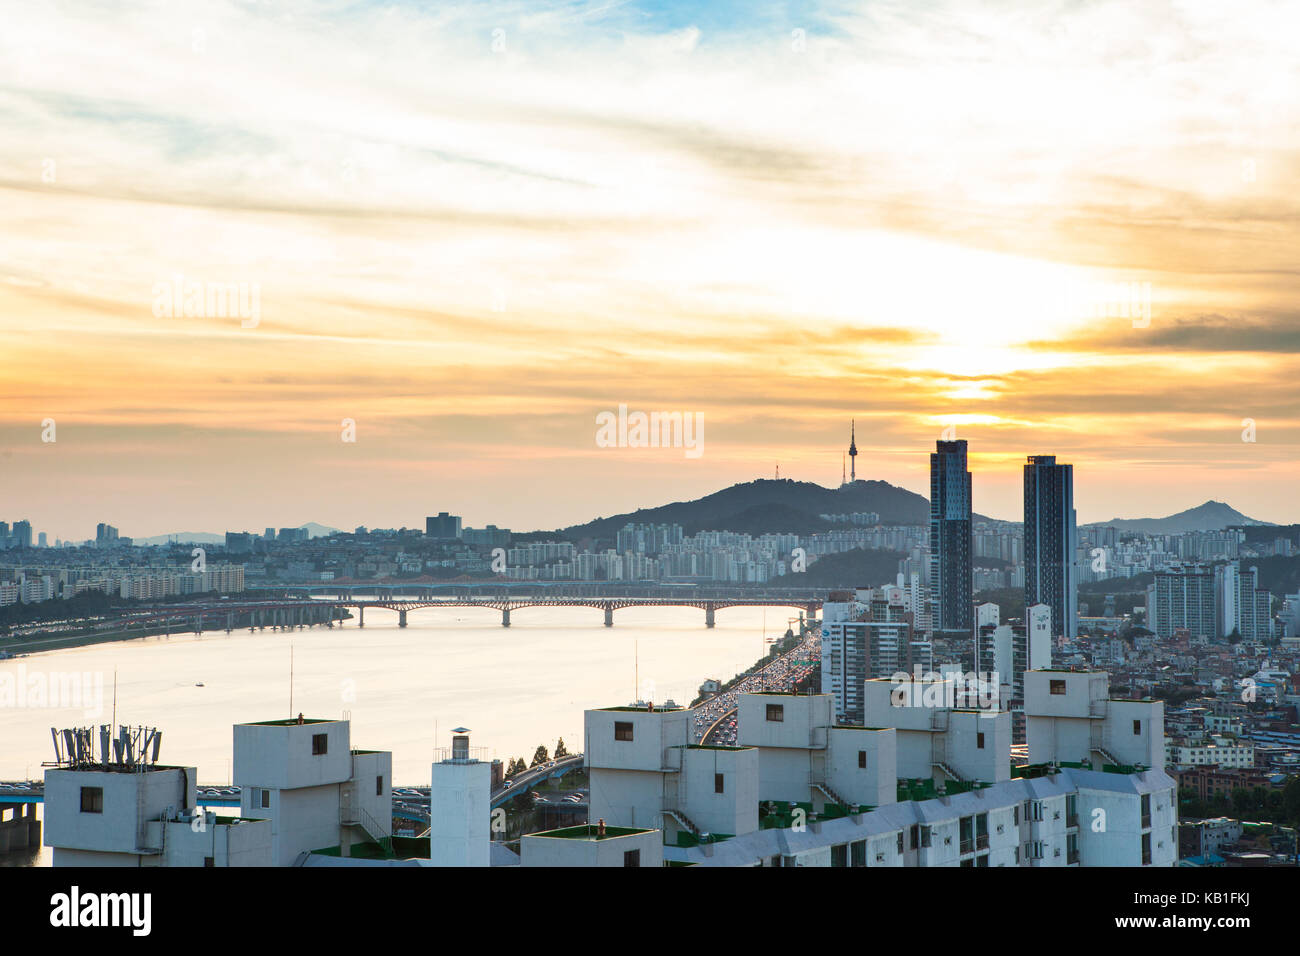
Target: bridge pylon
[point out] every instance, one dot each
(505, 617)
(609, 615)
(710, 615)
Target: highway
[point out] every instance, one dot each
(715, 718)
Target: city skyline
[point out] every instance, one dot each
(1055, 234)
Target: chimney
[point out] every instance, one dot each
(600, 827)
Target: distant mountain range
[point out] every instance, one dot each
(314, 530)
(1211, 516)
(767, 505)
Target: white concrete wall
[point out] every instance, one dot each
(627, 798)
(280, 756)
(877, 784)
(115, 829)
(460, 814)
(784, 774)
(800, 716)
(1080, 689)
(1115, 838)
(1057, 739)
(303, 819)
(244, 844)
(916, 702)
(540, 850)
(990, 763)
(735, 810)
(914, 754)
(653, 733)
(366, 767)
(1146, 747)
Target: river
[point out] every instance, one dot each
(404, 688)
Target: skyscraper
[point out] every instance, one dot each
(951, 592)
(1051, 540)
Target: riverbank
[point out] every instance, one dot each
(59, 642)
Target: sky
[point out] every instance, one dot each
(469, 229)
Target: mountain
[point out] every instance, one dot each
(314, 530)
(182, 537)
(1211, 516)
(768, 505)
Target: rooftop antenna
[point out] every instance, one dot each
(114, 696)
(291, 681)
(636, 671)
(844, 479)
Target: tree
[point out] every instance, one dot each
(540, 757)
(560, 750)
(1291, 801)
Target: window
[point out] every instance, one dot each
(622, 730)
(208, 861)
(840, 855)
(776, 712)
(320, 744)
(1137, 728)
(979, 740)
(266, 799)
(914, 835)
(632, 858)
(717, 783)
(379, 785)
(858, 853)
(92, 799)
(900, 842)
(1057, 687)
(862, 760)
(925, 836)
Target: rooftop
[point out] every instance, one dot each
(290, 722)
(589, 831)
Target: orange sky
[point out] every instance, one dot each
(472, 242)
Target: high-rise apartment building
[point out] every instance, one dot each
(1182, 597)
(951, 607)
(1051, 542)
(1241, 606)
(865, 634)
(444, 525)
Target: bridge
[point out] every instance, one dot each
(301, 607)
